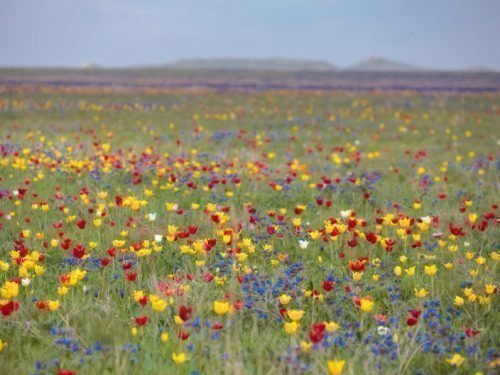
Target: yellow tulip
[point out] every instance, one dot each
(335, 367)
(430, 270)
(490, 288)
(456, 360)
(10, 290)
(291, 327)
(284, 299)
(420, 293)
(357, 276)
(366, 304)
(221, 308)
(295, 315)
(332, 326)
(179, 358)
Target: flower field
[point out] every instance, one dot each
(195, 231)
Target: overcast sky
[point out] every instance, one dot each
(445, 34)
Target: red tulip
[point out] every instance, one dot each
(353, 242)
(131, 276)
(79, 251)
(411, 321)
(415, 313)
(217, 326)
(81, 223)
(141, 320)
(328, 285)
(185, 312)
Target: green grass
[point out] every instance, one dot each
(224, 135)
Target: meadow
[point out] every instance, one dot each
(201, 231)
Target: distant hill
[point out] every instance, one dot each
(380, 64)
(90, 65)
(479, 69)
(274, 64)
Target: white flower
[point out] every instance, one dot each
(158, 237)
(26, 281)
(466, 244)
(303, 244)
(152, 216)
(345, 214)
(15, 192)
(426, 219)
(382, 330)
(437, 234)
(357, 142)
(86, 289)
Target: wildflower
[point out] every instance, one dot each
(284, 299)
(490, 288)
(357, 266)
(420, 293)
(328, 285)
(157, 303)
(456, 360)
(53, 305)
(291, 327)
(430, 270)
(459, 301)
(410, 271)
(331, 326)
(221, 308)
(366, 304)
(118, 243)
(9, 290)
(315, 234)
(382, 330)
(303, 244)
(185, 313)
(179, 359)
(295, 315)
(164, 337)
(3, 344)
(345, 214)
(141, 320)
(335, 367)
(356, 276)
(305, 346)
(398, 271)
(480, 260)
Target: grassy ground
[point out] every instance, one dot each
(377, 178)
